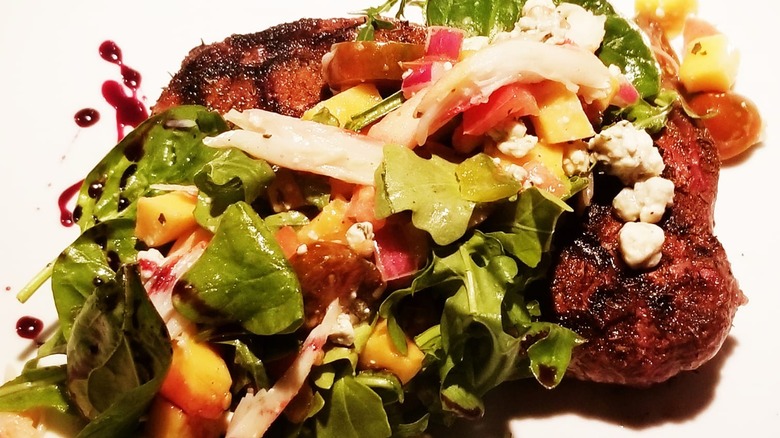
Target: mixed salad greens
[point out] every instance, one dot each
(478, 242)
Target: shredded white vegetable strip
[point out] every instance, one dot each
(255, 412)
(472, 80)
(161, 274)
(302, 145)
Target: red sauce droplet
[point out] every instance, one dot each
(29, 327)
(8, 288)
(130, 110)
(66, 215)
(86, 117)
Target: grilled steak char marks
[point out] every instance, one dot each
(278, 69)
(642, 327)
(645, 327)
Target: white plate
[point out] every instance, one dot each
(50, 68)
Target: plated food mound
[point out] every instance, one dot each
(360, 226)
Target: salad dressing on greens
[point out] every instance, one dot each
(369, 269)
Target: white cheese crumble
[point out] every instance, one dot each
(627, 152)
(516, 171)
(343, 333)
(567, 23)
(512, 138)
(576, 159)
(646, 202)
(360, 237)
(640, 244)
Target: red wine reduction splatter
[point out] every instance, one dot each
(130, 110)
(29, 327)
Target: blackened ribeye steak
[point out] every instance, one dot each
(278, 69)
(644, 327)
(641, 327)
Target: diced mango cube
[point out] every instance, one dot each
(198, 380)
(380, 353)
(330, 224)
(348, 103)
(164, 218)
(709, 64)
(670, 14)
(561, 117)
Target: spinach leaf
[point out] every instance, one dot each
(166, 148)
(230, 177)
(91, 260)
(352, 409)
(242, 277)
(118, 355)
(484, 17)
(36, 388)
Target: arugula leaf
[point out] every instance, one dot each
(525, 227)
(166, 148)
(485, 17)
(118, 355)
(242, 277)
(647, 114)
(430, 191)
(91, 260)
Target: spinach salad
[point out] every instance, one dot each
(431, 306)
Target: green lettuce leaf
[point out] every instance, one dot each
(118, 355)
(165, 149)
(91, 260)
(242, 277)
(230, 177)
(476, 18)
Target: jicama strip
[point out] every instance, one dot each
(302, 145)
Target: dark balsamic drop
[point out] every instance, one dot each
(28, 327)
(86, 117)
(66, 216)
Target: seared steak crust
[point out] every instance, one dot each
(645, 327)
(278, 69)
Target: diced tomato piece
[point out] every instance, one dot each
(288, 240)
(361, 206)
(513, 100)
(542, 178)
